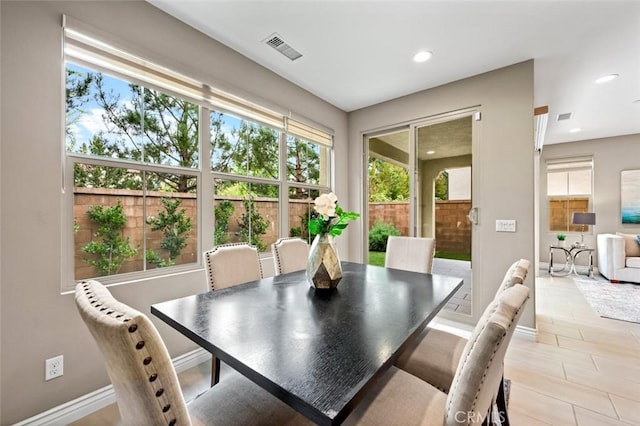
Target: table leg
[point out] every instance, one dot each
(590, 264)
(215, 370)
(572, 259)
(550, 261)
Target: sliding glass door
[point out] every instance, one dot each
(419, 184)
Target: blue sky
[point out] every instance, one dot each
(91, 122)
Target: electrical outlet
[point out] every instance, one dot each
(53, 367)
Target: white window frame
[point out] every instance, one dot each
(569, 166)
(90, 52)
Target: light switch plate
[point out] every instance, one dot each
(503, 225)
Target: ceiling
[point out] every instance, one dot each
(358, 53)
(434, 141)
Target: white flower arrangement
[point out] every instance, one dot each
(332, 220)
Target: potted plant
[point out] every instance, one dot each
(323, 266)
(561, 238)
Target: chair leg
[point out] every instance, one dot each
(489, 418)
(215, 370)
(501, 403)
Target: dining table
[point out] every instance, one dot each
(318, 351)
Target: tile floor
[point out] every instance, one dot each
(580, 369)
(461, 301)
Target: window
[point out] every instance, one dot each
(245, 164)
(243, 147)
(132, 209)
(136, 150)
(569, 190)
(307, 176)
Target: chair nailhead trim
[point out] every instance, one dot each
(105, 307)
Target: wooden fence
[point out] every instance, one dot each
(453, 233)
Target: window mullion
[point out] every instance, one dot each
(206, 217)
(284, 188)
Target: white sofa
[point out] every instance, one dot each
(619, 257)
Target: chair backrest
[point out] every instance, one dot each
(232, 264)
(410, 253)
(516, 274)
(290, 254)
(138, 363)
(479, 371)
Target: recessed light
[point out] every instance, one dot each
(606, 78)
(430, 152)
(422, 56)
(576, 130)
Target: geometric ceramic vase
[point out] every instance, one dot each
(324, 271)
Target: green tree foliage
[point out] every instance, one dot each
(152, 127)
(222, 211)
(108, 249)
(387, 182)
(175, 226)
(77, 95)
(147, 125)
(252, 225)
(303, 230)
(379, 234)
(303, 164)
(442, 186)
(249, 150)
(90, 176)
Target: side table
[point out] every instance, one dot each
(571, 253)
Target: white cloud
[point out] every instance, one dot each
(92, 122)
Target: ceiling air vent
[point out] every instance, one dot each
(565, 116)
(282, 46)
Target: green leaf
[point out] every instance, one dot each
(315, 226)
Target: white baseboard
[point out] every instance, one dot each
(527, 331)
(80, 407)
(83, 406)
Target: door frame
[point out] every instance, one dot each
(412, 126)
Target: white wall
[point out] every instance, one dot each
(610, 157)
(503, 167)
(37, 322)
(459, 183)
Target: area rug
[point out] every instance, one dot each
(615, 301)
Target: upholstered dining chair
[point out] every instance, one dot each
(410, 253)
(232, 264)
(435, 355)
(404, 399)
(228, 265)
(290, 254)
(145, 381)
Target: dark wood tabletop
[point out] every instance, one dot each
(316, 351)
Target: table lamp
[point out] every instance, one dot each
(583, 219)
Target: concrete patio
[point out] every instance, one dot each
(461, 301)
